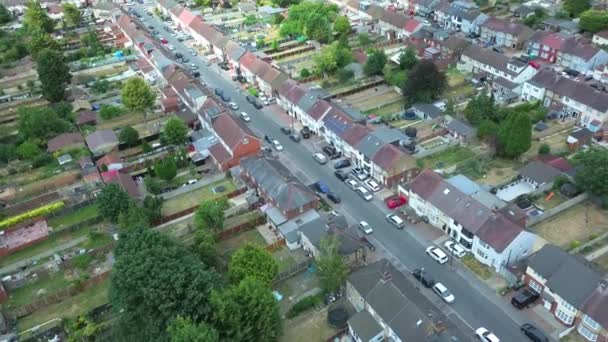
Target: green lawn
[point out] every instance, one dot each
(227, 247)
(69, 308)
(30, 292)
(192, 198)
(74, 217)
(482, 271)
(389, 109)
(447, 157)
(239, 219)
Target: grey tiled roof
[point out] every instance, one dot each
(539, 172)
(365, 325)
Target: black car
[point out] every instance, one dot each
(329, 150)
(219, 91)
(224, 66)
(341, 175)
(250, 99)
(196, 74)
(180, 39)
(342, 164)
(258, 105)
(178, 55)
(423, 277)
(286, 130)
(305, 132)
(333, 197)
(533, 333)
(295, 137)
(523, 298)
(268, 138)
(336, 156)
(225, 97)
(151, 27)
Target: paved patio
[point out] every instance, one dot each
(513, 190)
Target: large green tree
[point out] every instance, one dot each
(480, 108)
(312, 19)
(175, 131)
(576, 7)
(205, 247)
(28, 150)
(247, 312)
(376, 60)
(134, 217)
(36, 19)
(5, 15)
(253, 261)
(112, 202)
(8, 152)
(408, 59)
(152, 207)
(592, 171)
(41, 40)
(154, 280)
(424, 82)
(54, 74)
(593, 21)
(331, 269)
(166, 169)
(209, 215)
(40, 123)
(71, 14)
(332, 57)
(184, 330)
(129, 136)
(137, 95)
(342, 26)
(515, 135)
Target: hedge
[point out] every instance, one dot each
(303, 305)
(40, 211)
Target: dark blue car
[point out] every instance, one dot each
(322, 187)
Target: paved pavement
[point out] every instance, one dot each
(475, 303)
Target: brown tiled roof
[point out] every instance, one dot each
(580, 49)
(286, 87)
(392, 160)
(498, 232)
(488, 57)
(395, 19)
(219, 153)
(516, 29)
(603, 34)
(456, 44)
(231, 130)
(108, 159)
(596, 306)
(86, 117)
(355, 133)
(425, 183)
(186, 17)
(319, 109)
(64, 140)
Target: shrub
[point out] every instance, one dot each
(108, 111)
(305, 304)
(253, 91)
(304, 73)
(544, 149)
(40, 211)
(574, 244)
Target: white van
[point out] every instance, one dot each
(320, 158)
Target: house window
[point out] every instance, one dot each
(591, 323)
(586, 333)
(566, 306)
(482, 254)
(564, 316)
(535, 286)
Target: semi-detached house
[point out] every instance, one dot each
(500, 32)
(459, 16)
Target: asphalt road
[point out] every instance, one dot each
(475, 302)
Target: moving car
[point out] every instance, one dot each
(424, 277)
(321, 187)
(277, 145)
(372, 185)
(444, 293)
(341, 175)
(395, 221)
(396, 202)
(320, 158)
(524, 298)
(437, 254)
(352, 183)
(342, 164)
(455, 248)
(334, 198)
(233, 105)
(245, 117)
(533, 333)
(363, 192)
(486, 335)
(365, 228)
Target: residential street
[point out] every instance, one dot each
(475, 302)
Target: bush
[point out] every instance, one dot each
(40, 211)
(108, 111)
(42, 160)
(574, 244)
(253, 91)
(544, 149)
(305, 304)
(304, 73)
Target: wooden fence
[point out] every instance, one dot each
(276, 245)
(239, 228)
(360, 88)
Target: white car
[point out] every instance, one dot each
(372, 185)
(193, 66)
(192, 181)
(320, 158)
(365, 193)
(359, 174)
(365, 227)
(395, 220)
(455, 248)
(170, 47)
(444, 293)
(233, 105)
(437, 254)
(277, 145)
(353, 184)
(245, 117)
(486, 335)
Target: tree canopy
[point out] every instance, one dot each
(28, 150)
(137, 95)
(205, 247)
(210, 215)
(247, 312)
(154, 280)
(40, 123)
(54, 74)
(332, 57)
(342, 26)
(71, 14)
(480, 108)
(311, 19)
(593, 21)
(175, 131)
(36, 19)
(5, 15)
(113, 201)
(424, 82)
(515, 135)
(408, 59)
(184, 330)
(40, 40)
(331, 269)
(376, 60)
(253, 261)
(133, 217)
(166, 169)
(576, 7)
(592, 171)
(129, 136)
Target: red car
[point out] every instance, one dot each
(164, 40)
(396, 202)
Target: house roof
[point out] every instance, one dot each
(560, 269)
(337, 121)
(595, 306)
(64, 140)
(557, 162)
(85, 162)
(456, 44)
(108, 159)
(539, 172)
(273, 76)
(374, 11)
(460, 127)
(412, 25)
(86, 117)
(355, 133)
(220, 153)
(232, 131)
(123, 180)
(234, 50)
(365, 325)
(319, 109)
(580, 49)
(397, 20)
(275, 180)
(186, 17)
(428, 109)
(392, 159)
(518, 30)
(554, 40)
(498, 231)
(490, 57)
(577, 91)
(99, 139)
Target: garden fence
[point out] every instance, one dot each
(33, 203)
(558, 209)
(239, 228)
(292, 271)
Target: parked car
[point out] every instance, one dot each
(320, 158)
(295, 137)
(170, 47)
(225, 97)
(257, 105)
(334, 198)
(395, 221)
(444, 293)
(363, 192)
(396, 202)
(533, 333)
(250, 99)
(164, 40)
(455, 248)
(359, 174)
(341, 175)
(372, 185)
(268, 138)
(286, 130)
(424, 277)
(437, 254)
(192, 52)
(342, 164)
(365, 228)
(277, 145)
(329, 150)
(305, 132)
(193, 66)
(219, 91)
(486, 335)
(321, 187)
(524, 298)
(352, 183)
(233, 105)
(245, 117)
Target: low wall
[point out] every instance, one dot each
(437, 149)
(558, 209)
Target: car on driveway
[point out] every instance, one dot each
(245, 117)
(437, 254)
(524, 298)
(363, 192)
(277, 145)
(372, 185)
(365, 228)
(341, 175)
(233, 105)
(455, 248)
(334, 198)
(444, 293)
(486, 335)
(321, 187)
(395, 221)
(424, 277)
(359, 174)
(320, 158)
(341, 164)
(533, 333)
(396, 202)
